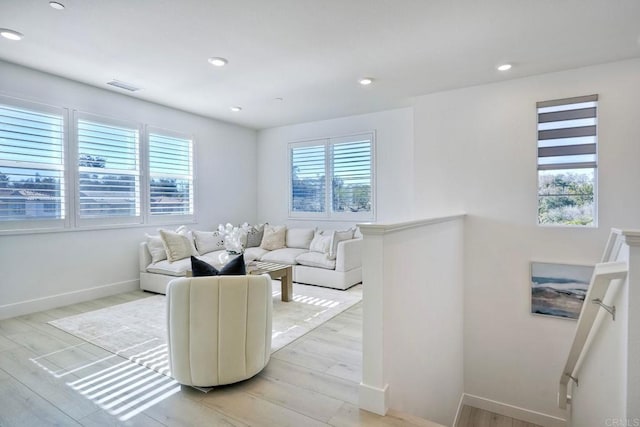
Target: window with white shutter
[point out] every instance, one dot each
(567, 161)
(170, 174)
(32, 178)
(332, 178)
(108, 171)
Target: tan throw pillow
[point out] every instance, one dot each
(274, 237)
(176, 245)
(156, 248)
(337, 237)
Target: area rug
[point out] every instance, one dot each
(137, 330)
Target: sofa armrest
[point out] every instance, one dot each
(349, 255)
(144, 257)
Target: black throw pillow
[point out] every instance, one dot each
(235, 267)
(200, 268)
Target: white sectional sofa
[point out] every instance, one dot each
(309, 266)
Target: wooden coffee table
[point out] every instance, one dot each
(275, 271)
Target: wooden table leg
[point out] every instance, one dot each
(287, 285)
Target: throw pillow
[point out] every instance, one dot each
(208, 241)
(320, 243)
(200, 268)
(337, 237)
(299, 237)
(274, 237)
(176, 245)
(254, 235)
(185, 231)
(156, 248)
(235, 267)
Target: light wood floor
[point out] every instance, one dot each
(474, 417)
(48, 377)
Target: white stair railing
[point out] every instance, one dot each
(603, 274)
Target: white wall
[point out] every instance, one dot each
(475, 151)
(394, 166)
(423, 319)
(68, 264)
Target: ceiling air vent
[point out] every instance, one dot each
(123, 85)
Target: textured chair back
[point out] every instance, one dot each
(219, 328)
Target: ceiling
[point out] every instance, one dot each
(311, 53)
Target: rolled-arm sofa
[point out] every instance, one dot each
(340, 271)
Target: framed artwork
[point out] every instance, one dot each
(559, 289)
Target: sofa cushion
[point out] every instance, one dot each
(156, 248)
(274, 237)
(208, 241)
(320, 243)
(283, 256)
(337, 237)
(299, 237)
(176, 268)
(254, 235)
(316, 259)
(235, 267)
(252, 254)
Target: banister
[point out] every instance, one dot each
(603, 274)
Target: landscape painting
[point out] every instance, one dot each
(559, 289)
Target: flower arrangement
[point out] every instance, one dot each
(233, 237)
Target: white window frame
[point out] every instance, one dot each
(328, 214)
(568, 165)
(104, 221)
(36, 225)
(170, 218)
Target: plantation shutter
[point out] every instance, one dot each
(171, 175)
(567, 133)
(31, 164)
(109, 170)
(308, 177)
(351, 160)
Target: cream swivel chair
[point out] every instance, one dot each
(219, 328)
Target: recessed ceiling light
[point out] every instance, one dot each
(217, 62)
(11, 34)
(56, 5)
(504, 67)
(235, 109)
(365, 81)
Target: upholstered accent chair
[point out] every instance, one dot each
(219, 328)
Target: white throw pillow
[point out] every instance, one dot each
(177, 245)
(337, 237)
(320, 243)
(208, 241)
(299, 237)
(156, 248)
(274, 237)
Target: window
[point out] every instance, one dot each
(32, 180)
(108, 170)
(567, 161)
(170, 174)
(332, 178)
(64, 171)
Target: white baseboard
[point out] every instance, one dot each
(374, 399)
(511, 411)
(59, 300)
(458, 411)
